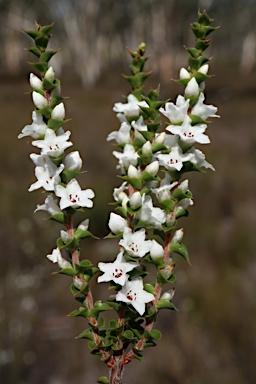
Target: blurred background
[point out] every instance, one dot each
(212, 338)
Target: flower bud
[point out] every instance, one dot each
(136, 200)
(39, 100)
(65, 236)
(58, 112)
(152, 168)
(168, 295)
(204, 69)
(156, 250)
(133, 172)
(147, 149)
(184, 186)
(192, 88)
(78, 283)
(160, 138)
(178, 236)
(184, 74)
(73, 161)
(50, 75)
(84, 225)
(116, 223)
(168, 269)
(35, 82)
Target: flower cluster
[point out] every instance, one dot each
(55, 170)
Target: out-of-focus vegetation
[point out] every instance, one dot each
(212, 337)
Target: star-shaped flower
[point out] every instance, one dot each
(174, 160)
(176, 113)
(188, 133)
(121, 136)
(128, 157)
(198, 158)
(116, 271)
(134, 294)
(149, 214)
(134, 243)
(132, 108)
(37, 129)
(164, 191)
(47, 173)
(55, 257)
(50, 205)
(202, 110)
(52, 144)
(73, 196)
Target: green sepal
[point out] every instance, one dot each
(41, 67)
(136, 183)
(57, 160)
(103, 380)
(69, 174)
(82, 312)
(127, 335)
(178, 195)
(150, 288)
(98, 307)
(181, 250)
(66, 271)
(154, 334)
(59, 217)
(167, 205)
(166, 304)
(144, 159)
(193, 52)
(182, 212)
(47, 55)
(82, 234)
(35, 51)
(87, 334)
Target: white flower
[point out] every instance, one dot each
(150, 214)
(174, 160)
(198, 158)
(134, 243)
(156, 250)
(202, 110)
(37, 129)
(121, 136)
(46, 173)
(58, 112)
(116, 223)
(164, 191)
(50, 75)
(127, 157)
(176, 113)
(50, 205)
(134, 294)
(35, 82)
(192, 88)
(139, 126)
(184, 74)
(119, 193)
(73, 161)
(73, 196)
(52, 144)
(56, 257)
(132, 108)
(39, 100)
(188, 133)
(116, 271)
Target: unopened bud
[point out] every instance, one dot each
(168, 295)
(73, 161)
(84, 225)
(178, 236)
(136, 200)
(35, 82)
(78, 283)
(117, 223)
(192, 88)
(58, 112)
(152, 168)
(156, 250)
(50, 75)
(184, 74)
(65, 236)
(147, 149)
(133, 172)
(39, 100)
(204, 69)
(160, 138)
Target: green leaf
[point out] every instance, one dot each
(82, 312)
(59, 217)
(204, 19)
(136, 183)
(150, 287)
(167, 205)
(41, 67)
(103, 380)
(35, 51)
(66, 271)
(155, 334)
(87, 334)
(82, 234)
(138, 356)
(113, 304)
(127, 335)
(181, 250)
(98, 307)
(193, 52)
(47, 55)
(178, 195)
(42, 41)
(74, 290)
(166, 304)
